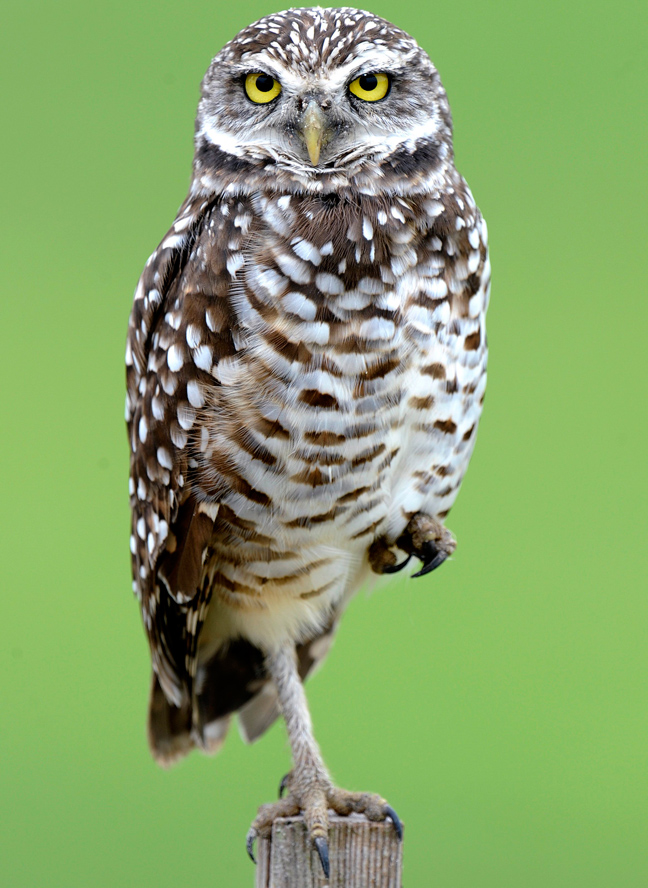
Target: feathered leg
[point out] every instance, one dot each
(309, 786)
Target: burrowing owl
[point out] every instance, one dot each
(306, 369)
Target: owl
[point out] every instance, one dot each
(306, 364)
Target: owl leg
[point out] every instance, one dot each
(310, 790)
(424, 537)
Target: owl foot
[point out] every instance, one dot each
(382, 559)
(314, 802)
(428, 540)
(424, 537)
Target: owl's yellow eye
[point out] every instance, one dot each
(370, 87)
(261, 88)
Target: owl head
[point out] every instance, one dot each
(322, 93)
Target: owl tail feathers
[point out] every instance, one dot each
(233, 680)
(169, 727)
(259, 713)
(256, 716)
(171, 734)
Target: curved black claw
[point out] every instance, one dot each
(431, 558)
(285, 780)
(322, 848)
(395, 819)
(394, 568)
(249, 844)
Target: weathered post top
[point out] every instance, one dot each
(363, 854)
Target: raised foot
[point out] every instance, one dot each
(424, 537)
(314, 804)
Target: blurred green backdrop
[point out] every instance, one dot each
(499, 704)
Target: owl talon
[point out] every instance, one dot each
(249, 843)
(322, 848)
(394, 568)
(285, 780)
(431, 558)
(395, 819)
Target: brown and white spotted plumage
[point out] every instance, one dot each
(306, 368)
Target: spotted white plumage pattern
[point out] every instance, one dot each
(306, 364)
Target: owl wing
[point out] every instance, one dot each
(179, 329)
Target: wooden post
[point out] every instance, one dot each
(362, 854)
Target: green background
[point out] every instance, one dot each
(500, 704)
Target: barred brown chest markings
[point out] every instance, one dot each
(312, 377)
(302, 431)
(299, 441)
(318, 320)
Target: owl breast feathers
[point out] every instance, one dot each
(306, 359)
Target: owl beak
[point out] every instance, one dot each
(314, 130)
